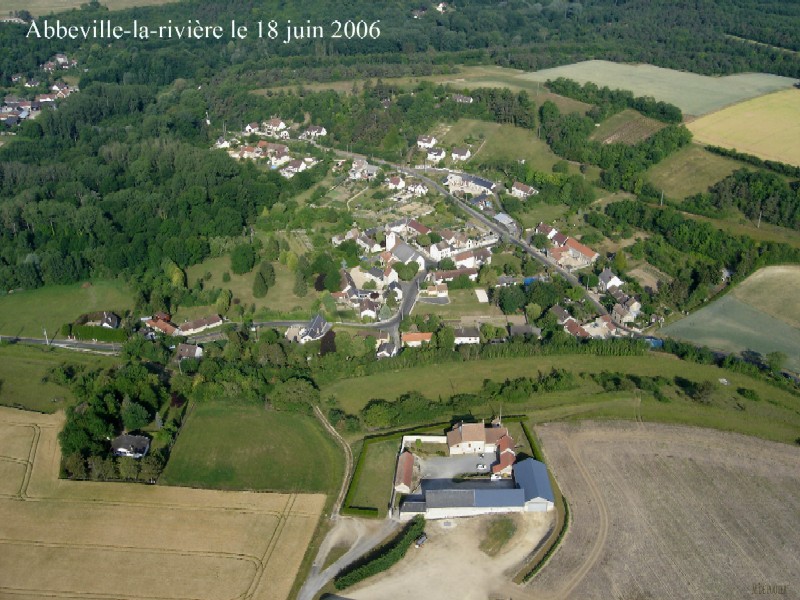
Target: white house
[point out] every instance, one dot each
(522, 191)
(426, 142)
(316, 328)
(460, 153)
(132, 446)
(415, 339)
(436, 154)
(467, 335)
(314, 132)
(418, 189)
(395, 183)
(474, 438)
(469, 184)
(440, 251)
(252, 128)
(608, 280)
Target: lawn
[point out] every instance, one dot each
(230, 446)
(463, 303)
(280, 298)
(690, 171)
(627, 127)
(768, 127)
(376, 476)
(26, 313)
(22, 369)
(776, 419)
(693, 94)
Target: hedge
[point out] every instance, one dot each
(382, 558)
(552, 548)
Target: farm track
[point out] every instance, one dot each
(348, 455)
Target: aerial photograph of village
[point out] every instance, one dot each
(401, 300)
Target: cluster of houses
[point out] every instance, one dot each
(626, 308)
(434, 154)
(15, 109)
(568, 252)
(405, 189)
(602, 327)
(59, 62)
(513, 486)
(162, 323)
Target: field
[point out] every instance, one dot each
(244, 447)
(468, 77)
(26, 313)
(768, 127)
(671, 512)
(377, 475)
(23, 367)
(463, 304)
(693, 94)
(690, 171)
(761, 317)
(279, 299)
(66, 539)
(777, 419)
(45, 7)
(628, 127)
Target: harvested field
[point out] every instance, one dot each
(451, 565)
(671, 512)
(768, 127)
(693, 94)
(65, 539)
(628, 127)
(760, 315)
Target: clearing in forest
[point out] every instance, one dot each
(627, 127)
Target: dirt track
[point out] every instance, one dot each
(672, 512)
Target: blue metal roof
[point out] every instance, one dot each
(531, 476)
(499, 497)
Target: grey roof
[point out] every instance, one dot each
(404, 253)
(413, 507)
(524, 330)
(531, 476)
(316, 329)
(387, 348)
(132, 443)
(467, 332)
(607, 275)
(504, 219)
(449, 498)
(376, 272)
(499, 497)
(560, 313)
(480, 181)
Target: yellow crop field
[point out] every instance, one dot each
(768, 127)
(72, 539)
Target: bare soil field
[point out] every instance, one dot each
(451, 564)
(768, 127)
(67, 539)
(661, 511)
(694, 94)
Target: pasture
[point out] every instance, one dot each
(245, 447)
(114, 540)
(693, 94)
(26, 313)
(775, 420)
(768, 127)
(46, 7)
(689, 171)
(699, 513)
(627, 127)
(22, 369)
(760, 315)
(376, 477)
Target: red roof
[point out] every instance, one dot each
(505, 444)
(506, 460)
(578, 247)
(417, 337)
(405, 469)
(571, 325)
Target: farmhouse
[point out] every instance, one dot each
(162, 325)
(468, 184)
(199, 325)
(522, 191)
(572, 255)
(474, 438)
(132, 446)
(189, 351)
(416, 339)
(445, 276)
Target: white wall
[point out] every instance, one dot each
(408, 440)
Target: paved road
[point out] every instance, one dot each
(104, 347)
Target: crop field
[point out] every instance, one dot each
(768, 127)
(45, 7)
(690, 171)
(762, 317)
(693, 94)
(777, 419)
(27, 312)
(244, 447)
(671, 512)
(627, 127)
(68, 539)
(22, 369)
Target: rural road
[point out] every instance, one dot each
(348, 455)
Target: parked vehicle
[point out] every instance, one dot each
(421, 540)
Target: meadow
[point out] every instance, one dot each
(22, 369)
(693, 94)
(767, 127)
(71, 539)
(689, 171)
(376, 477)
(627, 127)
(231, 446)
(463, 303)
(761, 317)
(26, 313)
(774, 420)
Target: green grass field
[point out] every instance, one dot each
(627, 127)
(463, 303)
(26, 313)
(279, 299)
(693, 94)
(690, 171)
(244, 447)
(23, 367)
(375, 480)
(761, 314)
(776, 419)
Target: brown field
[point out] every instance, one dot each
(662, 511)
(46, 7)
(65, 539)
(768, 127)
(773, 290)
(628, 127)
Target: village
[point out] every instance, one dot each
(33, 98)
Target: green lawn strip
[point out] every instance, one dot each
(498, 533)
(23, 367)
(27, 313)
(776, 417)
(244, 447)
(376, 475)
